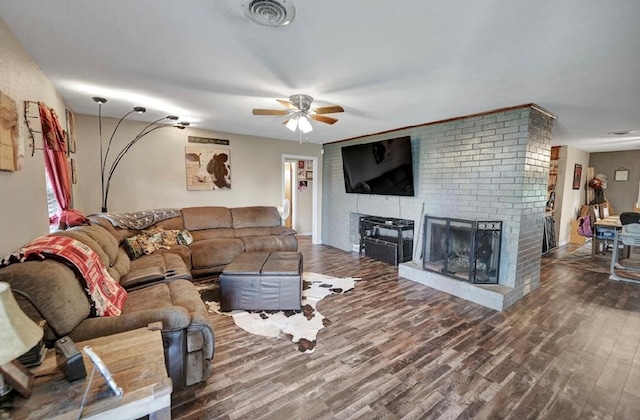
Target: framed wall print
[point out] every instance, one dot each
(577, 176)
(309, 174)
(208, 168)
(621, 174)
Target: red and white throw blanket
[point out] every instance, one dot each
(107, 295)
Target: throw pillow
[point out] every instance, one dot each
(148, 243)
(170, 237)
(184, 237)
(132, 247)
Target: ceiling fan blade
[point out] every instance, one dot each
(270, 112)
(287, 104)
(329, 109)
(322, 118)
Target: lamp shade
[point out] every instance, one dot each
(18, 333)
(292, 124)
(304, 125)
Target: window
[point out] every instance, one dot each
(53, 205)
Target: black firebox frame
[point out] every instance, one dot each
(484, 237)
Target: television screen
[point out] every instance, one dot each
(383, 167)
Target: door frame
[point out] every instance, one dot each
(316, 212)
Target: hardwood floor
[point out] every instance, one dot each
(397, 349)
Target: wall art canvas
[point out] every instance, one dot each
(8, 134)
(577, 176)
(71, 131)
(208, 168)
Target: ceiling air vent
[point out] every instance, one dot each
(270, 12)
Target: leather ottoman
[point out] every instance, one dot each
(262, 281)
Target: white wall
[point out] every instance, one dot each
(152, 174)
(568, 200)
(23, 209)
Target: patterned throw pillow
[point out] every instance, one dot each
(184, 237)
(148, 241)
(170, 237)
(133, 248)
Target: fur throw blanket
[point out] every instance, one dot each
(139, 219)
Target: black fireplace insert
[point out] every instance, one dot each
(463, 249)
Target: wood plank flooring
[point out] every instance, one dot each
(396, 349)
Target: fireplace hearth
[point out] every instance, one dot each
(463, 249)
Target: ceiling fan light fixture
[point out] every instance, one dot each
(292, 124)
(304, 125)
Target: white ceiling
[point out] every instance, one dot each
(390, 64)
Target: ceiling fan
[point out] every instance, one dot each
(299, 110)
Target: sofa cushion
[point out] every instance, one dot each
(143, 307)
(181, 251)
(175, 223)
(88, 241)
(286, 243)
(212, 252)
(121, 266)
(199, 235)
(54, 289)
(270, 243)
(258, 216)
(252, 231)
(118, 233)
(282, 231)
(259, 244)
(153, 260)
(105, 239)
(210, 217)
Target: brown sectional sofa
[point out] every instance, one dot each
(220, 234)
(50, 289)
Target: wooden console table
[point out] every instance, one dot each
(136, 361)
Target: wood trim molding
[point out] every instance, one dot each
(510, 108)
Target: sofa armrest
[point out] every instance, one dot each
(173, 318)
(202, 324)
(142, 276)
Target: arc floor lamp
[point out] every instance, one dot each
(105, 176)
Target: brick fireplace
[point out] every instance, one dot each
(492, 166)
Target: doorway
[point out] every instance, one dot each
(301, 185)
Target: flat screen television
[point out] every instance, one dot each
(382, 167)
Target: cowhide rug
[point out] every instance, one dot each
(301, 327)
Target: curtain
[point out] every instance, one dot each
(57, 166)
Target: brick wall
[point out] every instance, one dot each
(488, 167)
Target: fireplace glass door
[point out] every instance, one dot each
(462, 249)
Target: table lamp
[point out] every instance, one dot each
(18, 333)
